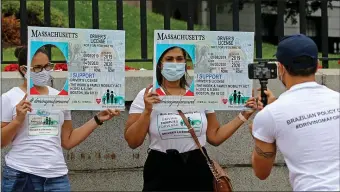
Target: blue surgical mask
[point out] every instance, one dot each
(173, 71)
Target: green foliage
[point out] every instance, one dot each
(131, 20)
(35, 13)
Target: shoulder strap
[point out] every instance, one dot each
(193, 135)
(191, 131)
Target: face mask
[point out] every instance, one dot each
(173, 71)
(281, 79)
(42, 78)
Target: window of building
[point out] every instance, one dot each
(311, 29)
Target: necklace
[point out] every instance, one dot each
(168, 93)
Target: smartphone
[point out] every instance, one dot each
(262, 70)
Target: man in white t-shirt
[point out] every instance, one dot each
(303, 122)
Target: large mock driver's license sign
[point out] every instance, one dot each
(96, 68)
(220, 61)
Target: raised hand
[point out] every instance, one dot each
(22, 108)
(150, 98)
(251, 103)
(270, 98)
(107, 114)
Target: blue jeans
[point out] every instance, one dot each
(17, 181)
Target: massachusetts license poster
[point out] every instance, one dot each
(220, 63)
(95, 61)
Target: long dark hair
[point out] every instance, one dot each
(21, 54)
(183, 82)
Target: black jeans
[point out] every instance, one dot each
(173, 171)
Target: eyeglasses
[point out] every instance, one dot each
(38, 68)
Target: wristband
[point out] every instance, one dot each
(97, 120)
(242, 118)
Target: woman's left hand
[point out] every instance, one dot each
(252, 105)
(108, 114)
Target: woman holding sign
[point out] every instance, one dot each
(174, 163)
(36, 162)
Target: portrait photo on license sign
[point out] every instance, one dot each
(41, 67)
(174, 53)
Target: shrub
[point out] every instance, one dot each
(10, 30)
(57, 67)
(60, 67)
(11, 67)
(35, 13)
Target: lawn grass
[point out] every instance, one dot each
(107, 15)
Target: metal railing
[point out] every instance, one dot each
(190, 22)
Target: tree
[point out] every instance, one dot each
(291, 7)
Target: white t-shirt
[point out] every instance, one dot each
(36, 149)
(304, 122)
(167, 129)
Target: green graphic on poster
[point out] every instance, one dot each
(111, 98)
(237, 98)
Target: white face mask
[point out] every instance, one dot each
(173, 71)
(281, 79)
(41, 78)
